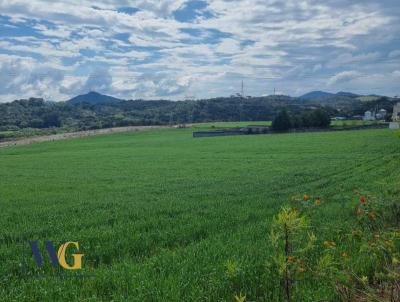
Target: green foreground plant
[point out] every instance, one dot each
(373, 274)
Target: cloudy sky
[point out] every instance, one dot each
(203, 48)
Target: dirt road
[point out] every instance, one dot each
(56, 137)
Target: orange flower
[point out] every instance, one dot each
(362, 199)
(306, 197)
(291, 259)
(302, 269)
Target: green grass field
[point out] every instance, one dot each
(159, 213)
(222, 125)
(367, 98)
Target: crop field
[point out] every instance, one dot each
(161, 216)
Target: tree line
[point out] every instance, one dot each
(37, 113)
(318, 118)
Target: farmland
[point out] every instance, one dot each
(158, 214)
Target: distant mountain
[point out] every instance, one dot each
(349, 94)
(93, 98)
(315, 95)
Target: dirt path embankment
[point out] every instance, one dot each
(60, 136)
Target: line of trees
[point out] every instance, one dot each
(36, 113)
(317, 118)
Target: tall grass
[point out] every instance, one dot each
(158, 214)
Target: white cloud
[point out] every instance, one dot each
(25, 77)
(59, 32)
(228, 46)
(346, 59)
(292, 44)
(342, 76)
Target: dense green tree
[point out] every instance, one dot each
(320, 118)
(51, 119)
(282, 122)
(317, 118)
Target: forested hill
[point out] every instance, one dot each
(37, 113)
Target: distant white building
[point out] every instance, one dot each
(373, 115)
(395, 124)
(381, 115)
(396, 113)
(368, 116)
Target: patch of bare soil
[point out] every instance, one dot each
(56, 137)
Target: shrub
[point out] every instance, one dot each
(320, 118)
(317, 118)
(282, 122)
(291, 243)
(361, 264)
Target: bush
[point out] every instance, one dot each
(282, 121)
(51, 120)
(317, 118)
(320, 118)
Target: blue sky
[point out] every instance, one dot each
(202, 48)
